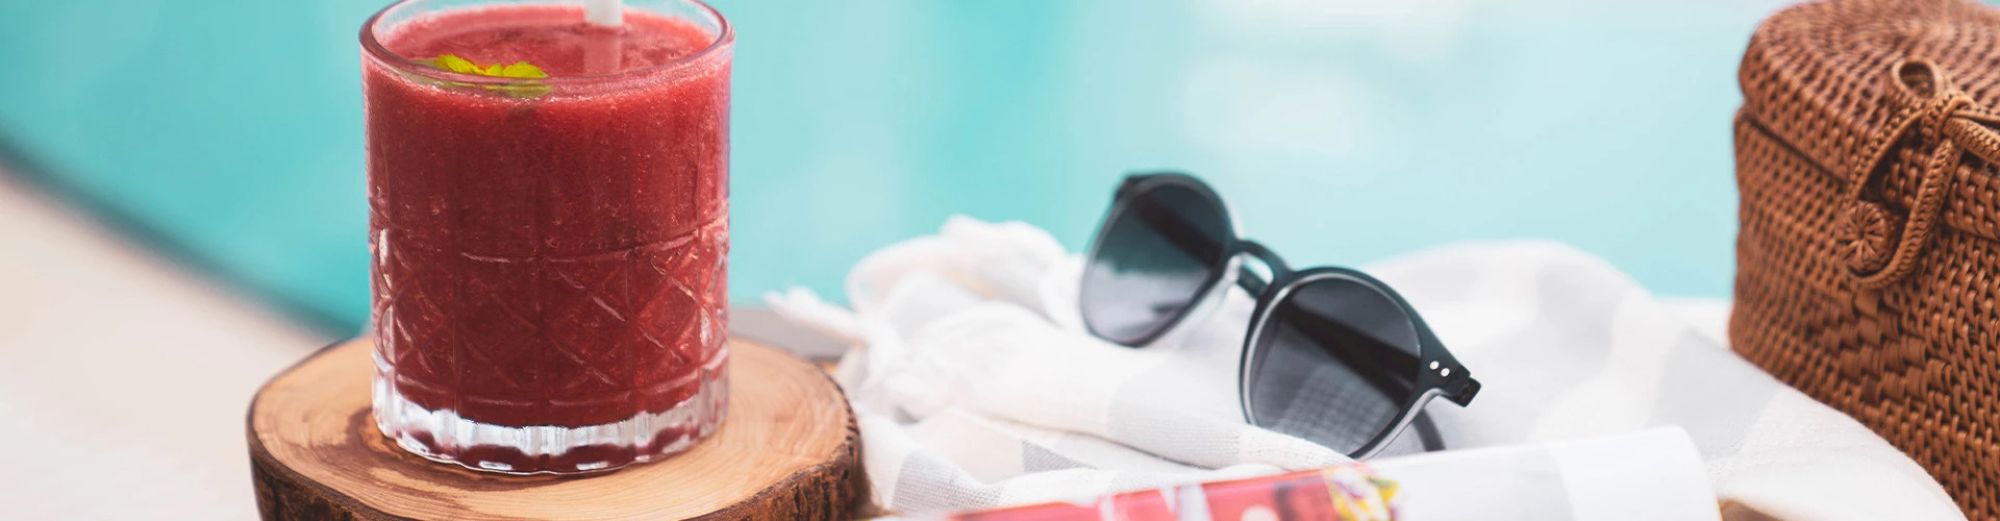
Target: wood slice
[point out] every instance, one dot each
(787, 450)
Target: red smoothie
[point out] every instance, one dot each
(549, 254)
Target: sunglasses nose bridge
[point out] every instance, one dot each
(1248, 276)
(1271, 261)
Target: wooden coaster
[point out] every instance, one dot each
(787, 450)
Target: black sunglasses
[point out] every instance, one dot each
(1332, 355)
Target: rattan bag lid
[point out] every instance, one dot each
(1893, 98)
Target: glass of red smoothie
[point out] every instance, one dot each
(550, 240)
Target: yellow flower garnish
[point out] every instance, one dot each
(519, 69)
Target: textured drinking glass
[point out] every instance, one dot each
(549, 253)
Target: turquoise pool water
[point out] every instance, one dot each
(1341, 131)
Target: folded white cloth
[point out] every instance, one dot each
(976, 386)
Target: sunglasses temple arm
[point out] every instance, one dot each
(1461, 391)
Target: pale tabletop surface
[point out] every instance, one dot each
(123, 378)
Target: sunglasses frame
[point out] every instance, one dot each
(1439, 375)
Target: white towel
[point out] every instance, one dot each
(976, 386)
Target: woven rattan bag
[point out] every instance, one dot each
(1868, 264)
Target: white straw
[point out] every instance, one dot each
(602, 52)
(608, 13)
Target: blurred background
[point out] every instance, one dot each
(181, 183)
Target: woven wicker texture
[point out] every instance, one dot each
(1868, 264)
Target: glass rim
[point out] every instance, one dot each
(725, 35)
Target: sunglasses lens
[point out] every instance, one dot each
(1151, 260)
(1336, 363)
